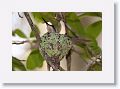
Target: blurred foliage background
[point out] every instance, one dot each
(78, 22)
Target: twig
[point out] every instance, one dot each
(22, 60)
(52, 65)
(60, 16)
(68, 27)
(33, 27)
(91, 63)
(48, 67)
(19, 15)
(20, 42)
(61, 69)
(68, 59)
(78, 40)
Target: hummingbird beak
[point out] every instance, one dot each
(45, 21)
(50, 28)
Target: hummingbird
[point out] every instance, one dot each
(50, 27)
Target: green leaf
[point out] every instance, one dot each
(16, 63)
(96, 14)
(32, 34)
(37, 16)
(19, 33)
(13, 33)
(83, 54)
(48, 16)
(73, 21)
(34, 60)
(93, 49)
(94, 29)
(95, 67)
(89, 48)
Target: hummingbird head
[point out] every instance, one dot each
(50, 28)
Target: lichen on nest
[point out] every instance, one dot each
(55, 44)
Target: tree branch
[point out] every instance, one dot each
(54, 66)
(68, 60)
(68, 27)
(61, 69)
(33, 27)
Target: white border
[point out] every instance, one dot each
(104, 6)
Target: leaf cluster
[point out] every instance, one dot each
(88, 45)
